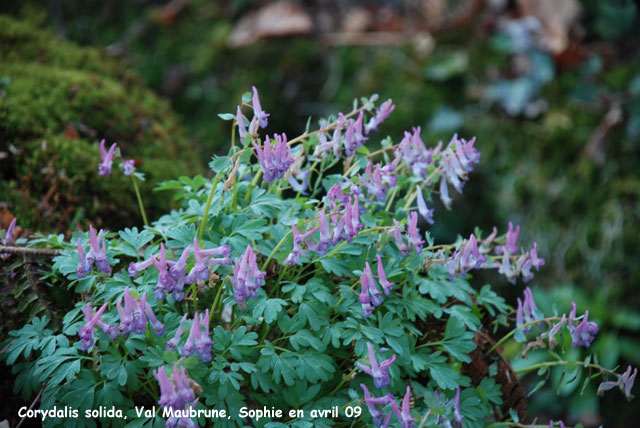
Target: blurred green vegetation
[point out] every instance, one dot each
(560, 140)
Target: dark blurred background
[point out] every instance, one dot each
(550, 88)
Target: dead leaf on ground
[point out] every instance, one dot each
(276, 19)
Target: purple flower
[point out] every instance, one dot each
(373, 182)
(402, 247)
(510, 246)
(382, 114)
(325, 146)
(247, 278)
(165, 283)
(86, 331)
(139, 323)
(404, 415)
(168, 396)
(535, 260)
(369, 285)
(97, 254)
(444, 194)
(467, 258)
(136, 268)
(276, 160)
(560, 424)
(126, 313)
(379, 371)
(325, 233)
(414, 153)
(626, 381)
(185, 394)
(506, 269)
(83, 265)
(382, 277)
(412, 231)
(425, 212)
(352, 223)
(554, 331)
(299, 179)
(194, 335)
(457, 414)
(242, 127)
(584, 333)
(111, 331)
(257, 109)
(297, 252)
(527, 311)
(204, 342)
(129, 166)
(104, 168)
(172, 344)
(157, 326)
(379, 420)
(353, 137)
(8, 236)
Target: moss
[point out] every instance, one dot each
(57, 101)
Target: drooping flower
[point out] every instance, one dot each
(444, 194)
(352, 223)
(104, 168)
(86, 331)
(257, 109)
(412, 232)
(176, 394)
(165, 283)
(381, 115)
(424, 211)
(553, 331)
(369, 288)
(379, 371)
(276, 160)
(199, 271)
(194, 334)
(158, 327)
(247, 278)
(204, 342)
(353, 138)
(379, 419)
(136, 268)
(382, 277)
(325, 233)
(404, 415)
(333, 145)
(297, 251)
(128, 166)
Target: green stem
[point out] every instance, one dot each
(266, 263)
(252, 186)
(512, 332)
(563, 363)
(194, 296)
(135, 187)
(342, 382)
(217, 298)
(205, 216)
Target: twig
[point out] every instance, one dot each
(31, 251)
(32, 404)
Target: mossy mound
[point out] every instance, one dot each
(57, 100)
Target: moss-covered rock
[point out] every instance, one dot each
(57, 100)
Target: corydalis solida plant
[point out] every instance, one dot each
(282, 282)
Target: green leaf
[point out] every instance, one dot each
(226, 116)
(268, 307)
(304, 338)
(220, 163)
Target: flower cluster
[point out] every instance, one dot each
(379, 419)
(247, 278)
(172, 274)
(104, 167)
(86, 331)
(274, 161)
(176, 394)
(414, 153)
(624, 382)
(370, 295)
(466, 258)
(413, 235)
(97, 254)
(582, 331)
(456, 165)
(382, 113)
(378, 181)
(379, 371)
(198, 340)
